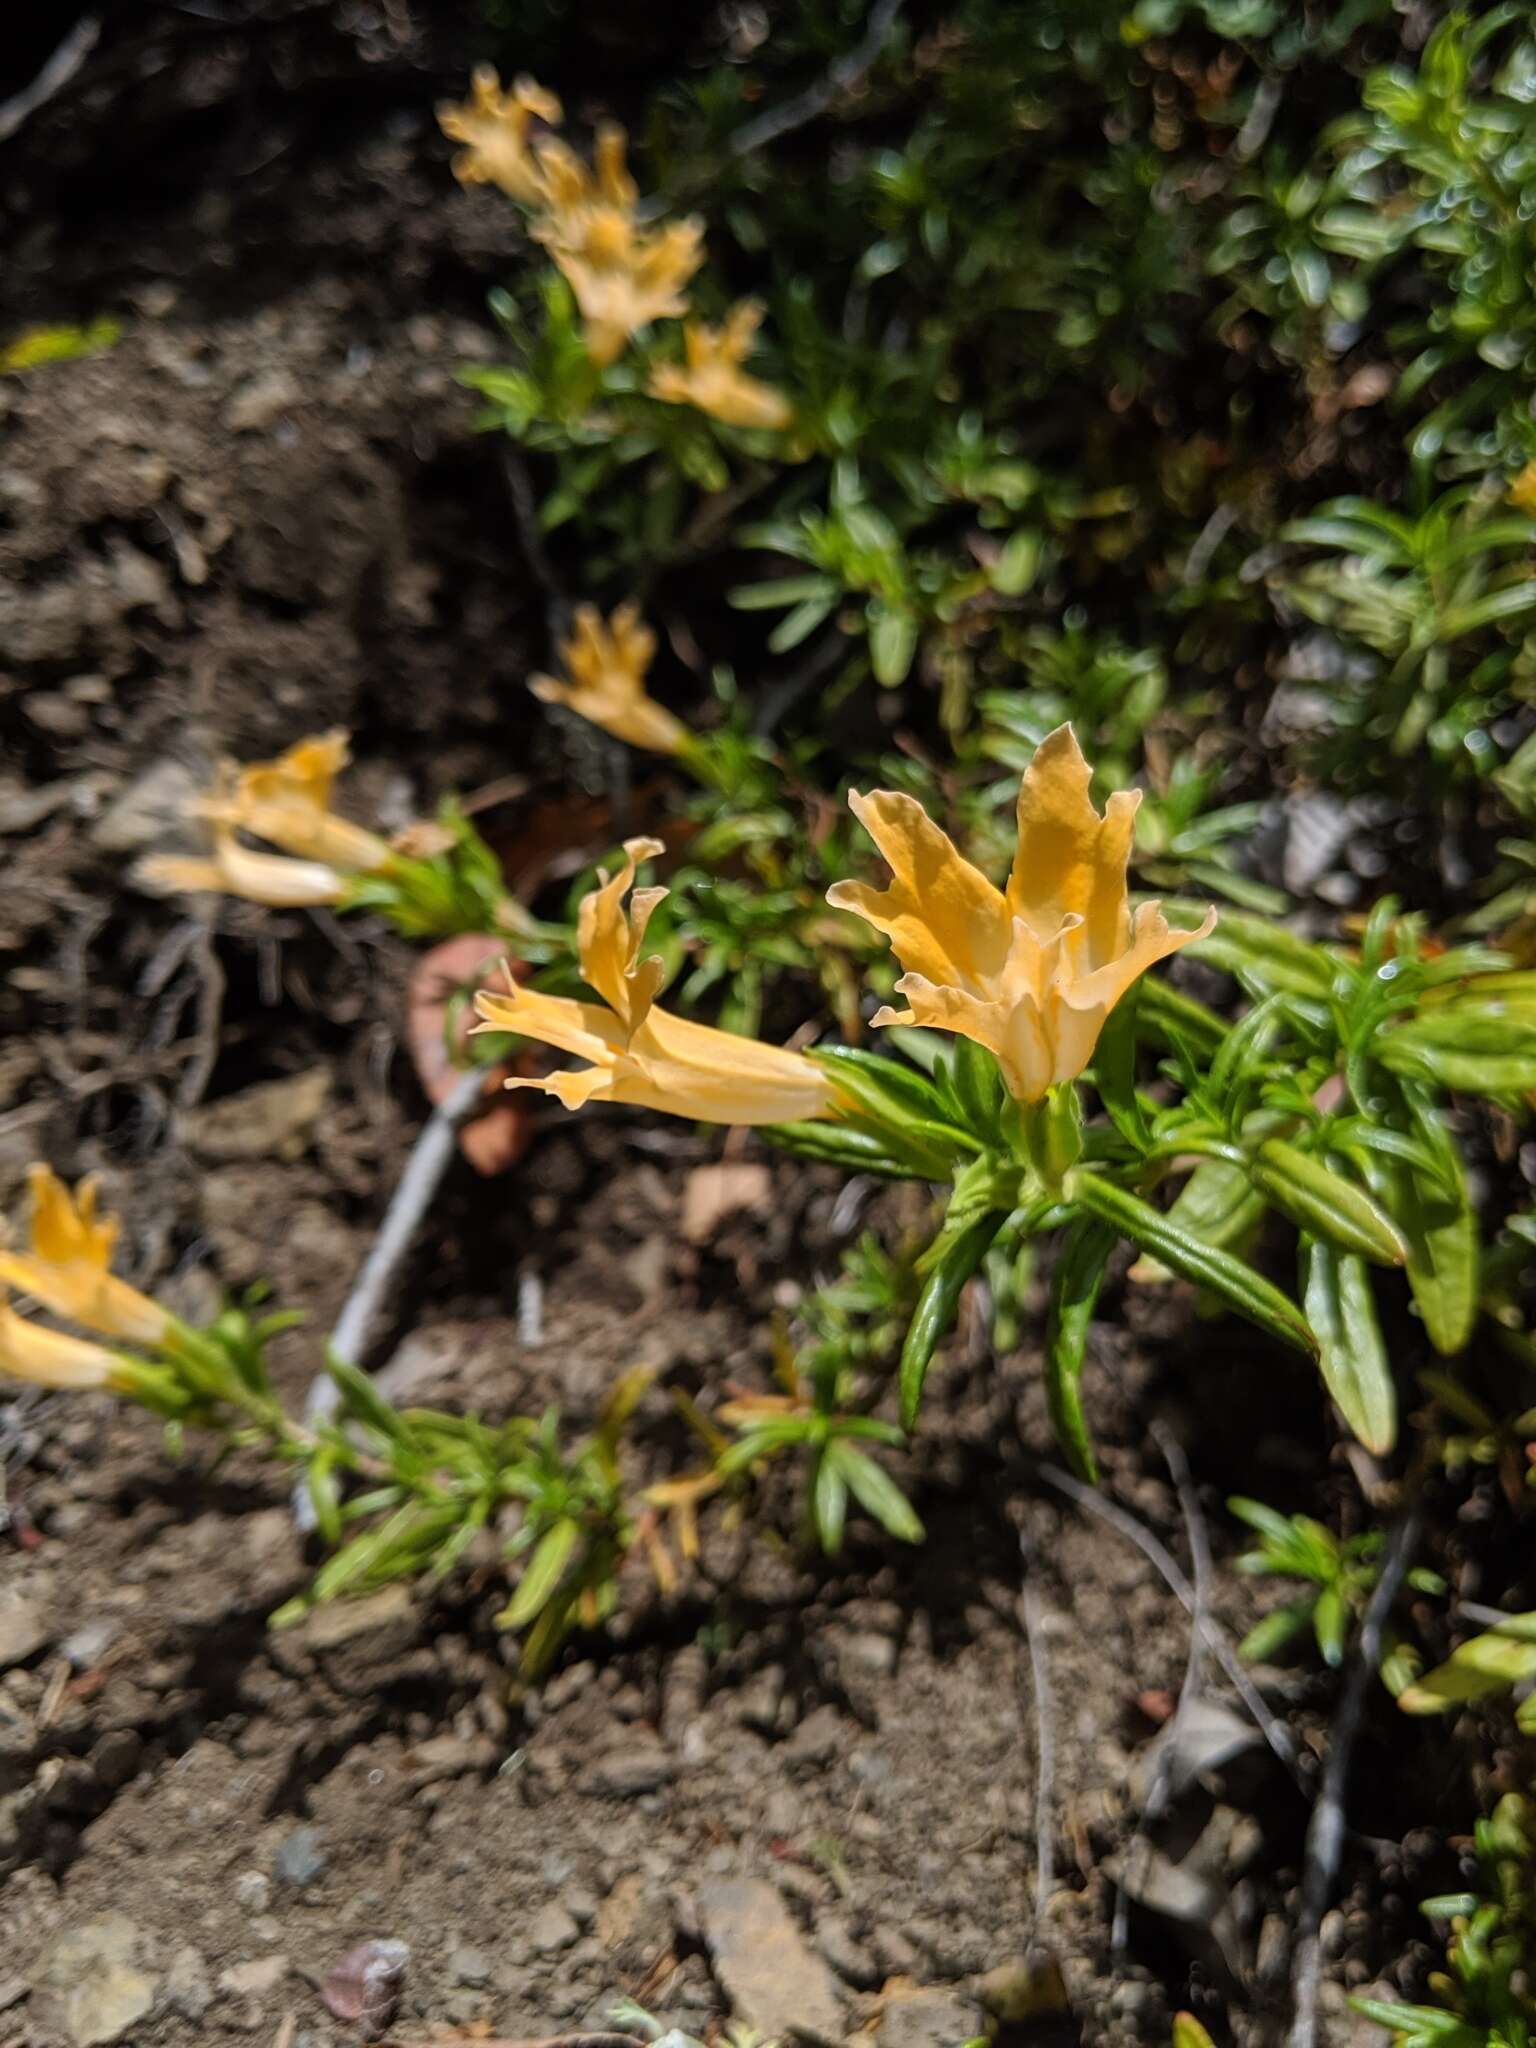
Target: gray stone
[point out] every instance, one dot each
(115, 1757)
(818, 1738)
(300, 1859)
(628, 1773)
(928, 2019)
(24, 1631)
(88, 1986)
(188, 1988)
(261, 400)
(552, 1930)
(271, 1120)
(469, 1966)
(253, 1890)
(773, 1981)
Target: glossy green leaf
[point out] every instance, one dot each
(1352, 1355)
(1075, 1288)
(1321, 1200)
(937, 1304)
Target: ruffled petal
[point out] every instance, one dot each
(1069, 859)
(943, 917)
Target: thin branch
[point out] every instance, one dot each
(54, 76)
(1325, 1831)
(839, 77)
(1032, 1615)
(1272, 1729)
(357, 1325)
(1194, 1669)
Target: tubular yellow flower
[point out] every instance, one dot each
(642, 1055)
(494, 127)
(288, 801)
(607, 665)
(1522, 492)
(67, 1266)
(713, 379)
(623, 273)
(50, 1358)
(1033, 973)
(235, 870)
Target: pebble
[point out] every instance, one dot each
(254, 1979)
(552, 1930)
(253, 1889)
(928, 2019)
(469, 1966)
(775, 1984)
(818, 1738)
(154, 805)
(89, 1644)
(115, 1757)
(628, 1773)
(260, 401)
(188, 1990)
(23, 1632)
(300, 1859)
(88, 1986)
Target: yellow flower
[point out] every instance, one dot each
(494, 127)
(68, 1265)
(287, 802)
(639, 1054)
(623, 273)
(49, 1358)
(713, 378)
(1034, 973)
(1522, 492)
(607, 666)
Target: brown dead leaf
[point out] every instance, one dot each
(498, 1137)
(720, 1190)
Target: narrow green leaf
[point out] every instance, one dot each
(1075, 1287)
(362, 1400)
(1438, 1226)
(937, 1303)
(1322, 1201)
(829, 1503)
(542, 1574)
(1206, 1265)
(1352, 1356)
(1481, 1666)
(877, 1493)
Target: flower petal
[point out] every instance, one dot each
(943, 917)
(608, 944)
(1152, 939)
(49, 1358)
(1069, 859)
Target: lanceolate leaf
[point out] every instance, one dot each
(1353, 1358)
(1438, 1226)
(542, 1574)
(1074, 1293)
(937, 1304)
(1324, 1202)
(1482, 1665)
(1187, 1255)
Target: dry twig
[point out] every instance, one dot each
(1325, 1831)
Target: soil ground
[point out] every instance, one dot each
(263, 512)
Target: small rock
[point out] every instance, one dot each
(152, 807)
(818, 1738)
(851, 1960)
(343, 1621)
(760, 1699)
(12, 1991)
(365, 1986)
(115, 1757)
(300, 1858)
(87, 1985)
(469, 1966)
(57, 715)
(552, 1930)
(188, 1990)
(273, 1120)
(23, 1632)
(253, 1889)
(1027, 1989)
(260, 401)
(773, 1981)
(254, 1979)
(628, 1773)
(927, 2019)
(85, 1649)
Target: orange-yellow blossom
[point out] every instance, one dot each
(51, 1358)
(67, 1266)
(607, 665)
(624, 274)
(639, 1054)
(1522, 492)
(1031, 973)
(712, 377)
(286, 802)
(493, 125)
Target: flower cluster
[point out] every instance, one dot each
(625, 271)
